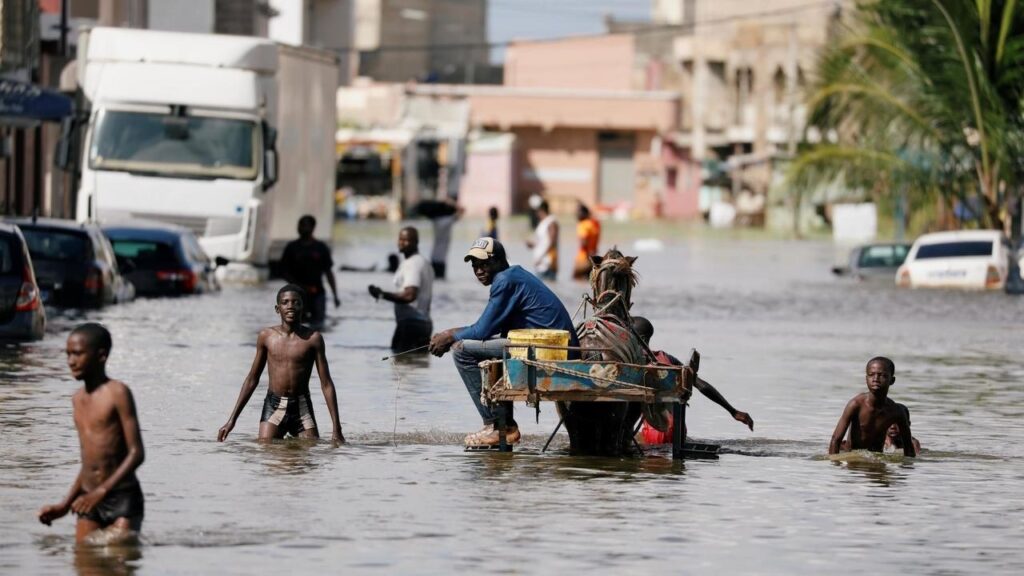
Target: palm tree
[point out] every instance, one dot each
(926, 95)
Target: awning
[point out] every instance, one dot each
(24, 101)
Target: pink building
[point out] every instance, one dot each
(582, 133)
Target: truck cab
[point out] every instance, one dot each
(181, 128)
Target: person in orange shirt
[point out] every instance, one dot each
(589, 232)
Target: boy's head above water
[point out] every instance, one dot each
(88, 347)
(289, 303)
(880, 374)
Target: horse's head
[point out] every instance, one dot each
(612, 279)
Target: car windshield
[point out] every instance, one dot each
(146, 254)
(7, 252)
(956, 249)
(57, 245)
(170, 145)
(882, 256)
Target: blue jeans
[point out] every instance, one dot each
(467, 360)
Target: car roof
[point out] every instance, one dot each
(960, 236)
(8, 227)
(146, 230)
(56, 223)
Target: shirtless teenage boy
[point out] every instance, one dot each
(106, 495)
(291, 350)
(869, 415)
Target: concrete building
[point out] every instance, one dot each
(741, 69)
(446, 40)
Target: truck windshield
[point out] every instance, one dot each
(167, 145)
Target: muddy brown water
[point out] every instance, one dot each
(779, 336)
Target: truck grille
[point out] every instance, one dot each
(199, 225)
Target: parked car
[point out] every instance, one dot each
(22, 316)
(874, 261)
(971, 259)
(74, 263)
(163, 259)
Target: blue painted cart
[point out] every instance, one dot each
(531, 380)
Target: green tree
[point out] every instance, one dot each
(925, 96)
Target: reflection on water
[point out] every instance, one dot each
(107, 560)
(779, 337)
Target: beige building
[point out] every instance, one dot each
(741, 69)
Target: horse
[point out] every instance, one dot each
(606, 428)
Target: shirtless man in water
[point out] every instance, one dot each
(106, 495)
(291, 350)
(869, 415)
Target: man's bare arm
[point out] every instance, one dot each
(406, 296)
(333, 284)
(842, 426)
(327, 385)
(715, 396)
(135, 455)
(248, 385)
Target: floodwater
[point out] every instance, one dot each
(779, 336)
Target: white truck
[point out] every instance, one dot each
(186, 128)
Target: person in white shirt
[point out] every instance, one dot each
(414, 284)
(545, 243)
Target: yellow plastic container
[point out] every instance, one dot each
(539, 336)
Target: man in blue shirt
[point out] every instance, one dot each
(518, 299)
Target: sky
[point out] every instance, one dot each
(535, 19)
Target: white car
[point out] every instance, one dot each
(968, 259)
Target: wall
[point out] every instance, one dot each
(560, 164)
(488, 180)
(604, 62)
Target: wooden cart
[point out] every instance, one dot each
(531, 380)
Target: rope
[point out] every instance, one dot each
(577, 373)
(398, 386)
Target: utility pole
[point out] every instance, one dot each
(791, 76)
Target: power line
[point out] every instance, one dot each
(652, 29)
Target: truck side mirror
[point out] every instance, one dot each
(64, 156)
(269, 169)
(269, 156)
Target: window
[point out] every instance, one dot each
(44, 244)
(171, 145)
(7, 254)
(146, 254)
(956, 249)
(888, 256)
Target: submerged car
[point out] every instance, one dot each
(22, 316)
(875, 261)
(162, 259)
(968, 259)
(74, 263)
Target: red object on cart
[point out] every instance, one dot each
(652, 435)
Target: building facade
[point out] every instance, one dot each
(423, 40)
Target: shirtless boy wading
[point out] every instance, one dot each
(290, 350)
(868, 416)
(106, 495)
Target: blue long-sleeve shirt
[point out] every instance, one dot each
(519, 300)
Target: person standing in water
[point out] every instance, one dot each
(291, 350)
(588, 230)
(545, 243)
(414, 281)
(106, 494)
(305, 262)
(491, 228)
